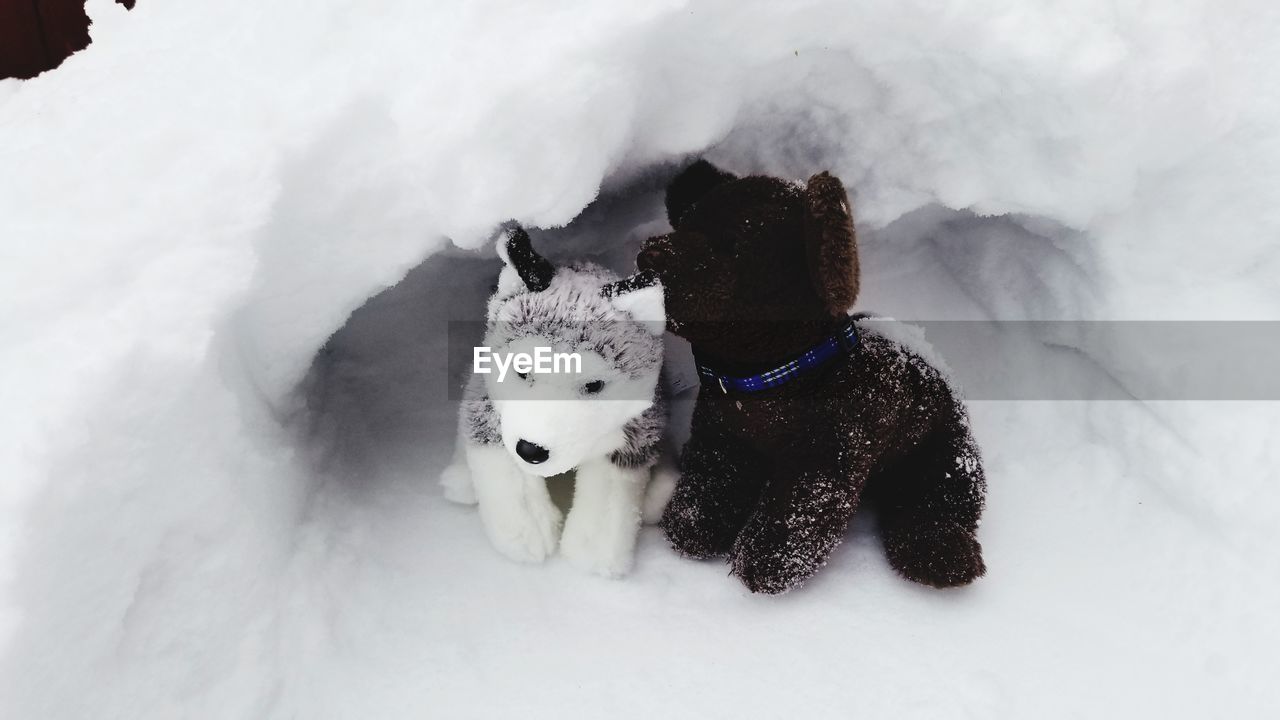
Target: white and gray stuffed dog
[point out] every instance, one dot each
(517, 428)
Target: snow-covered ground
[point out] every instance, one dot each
(232, 236)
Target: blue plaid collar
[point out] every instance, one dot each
(844, 341)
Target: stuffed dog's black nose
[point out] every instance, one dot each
(531, 453)
(655, 256)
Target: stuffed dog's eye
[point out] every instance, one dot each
(522, 376)
(593, 387)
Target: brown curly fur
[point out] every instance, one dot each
(757, 271)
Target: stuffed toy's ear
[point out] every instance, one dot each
(830, 244)
(522, 266)
(640, 296)
(690, 186)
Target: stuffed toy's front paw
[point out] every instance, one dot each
(940, 554)
(595, 551)
(526, 534)
(659, 492)
(770, 570)
(695, 530)
(774, 554)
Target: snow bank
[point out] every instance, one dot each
(211, 508)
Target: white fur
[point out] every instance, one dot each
(509, 282)
(661, 487)
(518, 515)
(646, 305)
(600, 532)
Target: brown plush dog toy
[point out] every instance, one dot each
(803, 410)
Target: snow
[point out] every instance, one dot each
(209, 508)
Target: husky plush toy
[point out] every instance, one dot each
(605, 420)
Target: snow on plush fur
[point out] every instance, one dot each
(757, 271)
(606, 421)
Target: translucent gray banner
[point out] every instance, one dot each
(1059, 360)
